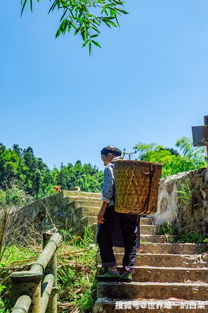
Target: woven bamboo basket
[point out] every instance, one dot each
(136, 186)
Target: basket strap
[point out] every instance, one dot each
(150, 174)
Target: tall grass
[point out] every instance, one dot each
(76, 271)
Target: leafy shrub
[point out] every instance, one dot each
(169, 230)
(184, 193)
(193, 236)
(14, 196)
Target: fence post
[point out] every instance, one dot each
(27, 283)
(22, 305)
(51, 269)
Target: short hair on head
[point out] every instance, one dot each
(111, 149)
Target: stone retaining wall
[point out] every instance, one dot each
(47, 212)
(183, 200)
(58, 210)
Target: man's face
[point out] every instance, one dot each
(106, 158)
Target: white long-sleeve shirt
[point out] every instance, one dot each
(108, 190)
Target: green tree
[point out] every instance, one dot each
(36, 174)
(20, 167)
(9, 161)
(17, 149)
(187, 158)
(87, 177)
(84, 17)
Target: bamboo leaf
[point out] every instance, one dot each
(55, 3)
(31, 5)
(63, 15)
(96, 43)
(77, 30)
(90, 47)
(85, 43)
(62, 28)
(23, 6)
(85, 16)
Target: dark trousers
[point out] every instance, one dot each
(128, 226)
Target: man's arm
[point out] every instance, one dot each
(107, 192)
(103, 208)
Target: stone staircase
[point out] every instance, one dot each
(169, 277)
(84, 207)
(87, 205)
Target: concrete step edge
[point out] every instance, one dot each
(148, 226)
(148, 267)
(155, 235)
(83, 198)
(77, 193)
(163, 254)
(177, 244)
(90, 207)
(159, 284)
(168, 247)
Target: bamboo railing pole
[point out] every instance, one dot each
(28, 283)
(47, 286)
(51, 268)
(22, 304)
(47, 253)
(52, 305)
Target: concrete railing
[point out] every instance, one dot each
(35, 290)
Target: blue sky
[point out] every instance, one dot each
(147, 84)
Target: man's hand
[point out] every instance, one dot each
(101, 220)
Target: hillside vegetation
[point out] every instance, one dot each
(30, 177)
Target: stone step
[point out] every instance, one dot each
(181, 260)
(74, 198)
(90, 220)
(145, 221)
(169, 274)
(146, 237)
(168, 305)
(153, 238)
(170, 248)
(147, 290)
(90, 211)
(78, 203)
(148, 229)
(71, 193)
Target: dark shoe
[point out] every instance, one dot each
(125, 276)
(109, 275)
